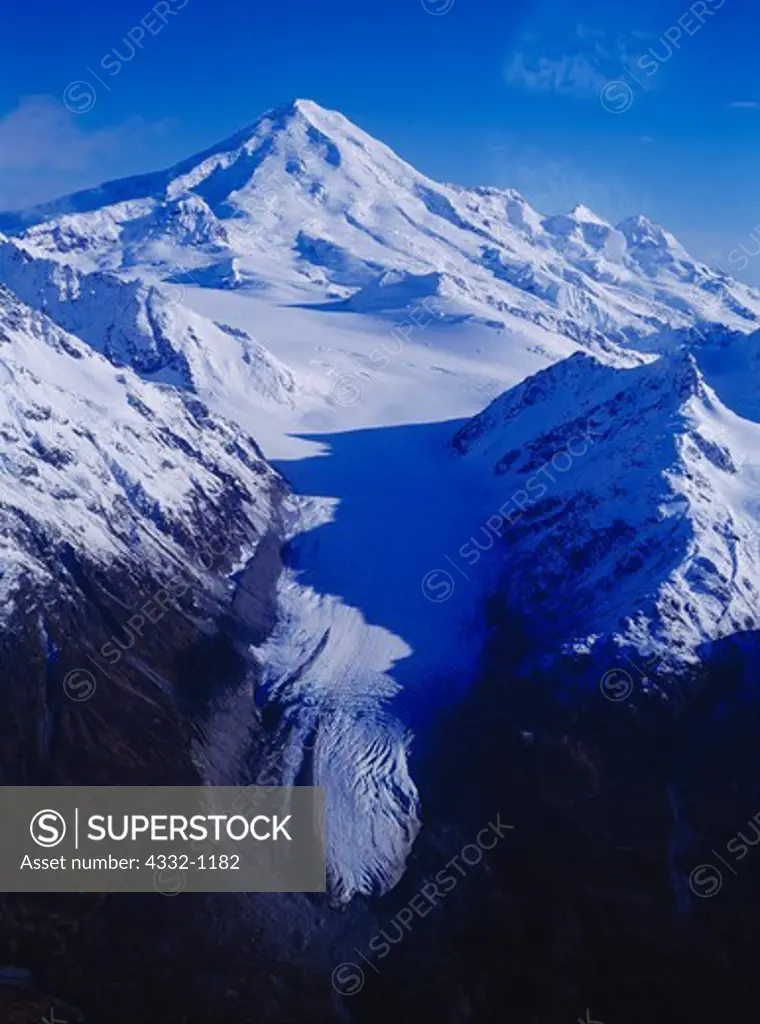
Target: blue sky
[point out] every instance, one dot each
(649, 106)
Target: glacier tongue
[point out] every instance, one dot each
(328, 672)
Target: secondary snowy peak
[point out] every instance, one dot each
(308, 206)
(643, 233)
(581, 223)
(585, 216)
(652, 248)
(634, 517)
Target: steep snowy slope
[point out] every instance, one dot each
(631, 508)
(137, 324)
(97, 462)
(304, 202)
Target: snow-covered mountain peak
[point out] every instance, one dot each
(636, 505)
(640, 232)
(581, 226)
(303, 204)
(582, 214)
(298, 111)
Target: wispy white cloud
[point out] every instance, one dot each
(574, 63)
(572, 75)
(556, 184)
(745, 104)
(45, 153)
